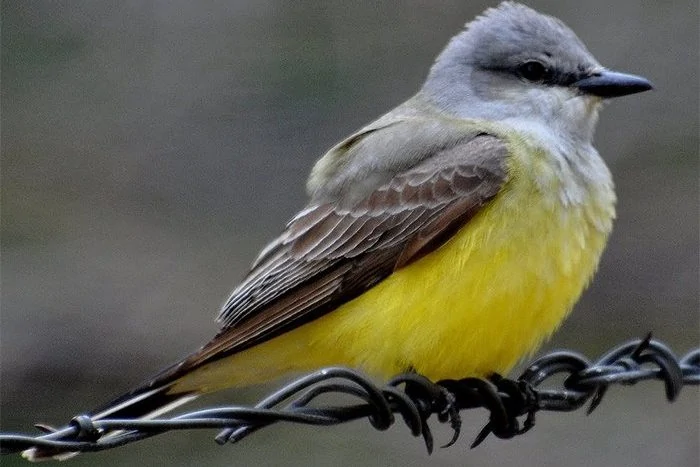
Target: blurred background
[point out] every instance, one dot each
(150, 149)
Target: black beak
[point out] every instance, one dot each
(612, 84)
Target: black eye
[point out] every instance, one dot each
(533, 71)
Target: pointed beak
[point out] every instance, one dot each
(609, 84)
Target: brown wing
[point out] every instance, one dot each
(329, 255)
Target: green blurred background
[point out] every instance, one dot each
(149, 149)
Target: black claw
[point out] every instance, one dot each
(529, 422)
(450, 413)
(428, 439)
(518, 398)
(483, 434)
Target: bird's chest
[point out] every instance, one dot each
(507, 279)
(490, 294)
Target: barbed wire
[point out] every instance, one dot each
(412, 396)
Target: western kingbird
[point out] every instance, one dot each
(451, 236)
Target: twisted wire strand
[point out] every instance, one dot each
(412, 396)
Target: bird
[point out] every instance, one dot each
(449, 237)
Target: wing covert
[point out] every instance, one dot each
(328, 254)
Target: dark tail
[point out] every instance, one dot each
(145, 402)
(148, 401)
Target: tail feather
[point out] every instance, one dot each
(143, 403)
(147, 402)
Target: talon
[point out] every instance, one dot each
(509, 431)
(529, 423)
(428, 439)
(450, 412)
(483, 434)
(531, 401)
(521, 399)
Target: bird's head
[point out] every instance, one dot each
(515, 65)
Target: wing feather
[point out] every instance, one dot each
(329, 253)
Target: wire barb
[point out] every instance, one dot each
(412, 396)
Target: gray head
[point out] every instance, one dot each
(519, 66)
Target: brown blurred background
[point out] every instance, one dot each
(149, 149)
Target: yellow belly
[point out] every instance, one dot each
(475, 306)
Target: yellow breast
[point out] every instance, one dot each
(475, 306)
(491, 294)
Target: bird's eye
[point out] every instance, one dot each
(533, 71)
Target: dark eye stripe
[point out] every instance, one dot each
(552, 77)
(534, 71)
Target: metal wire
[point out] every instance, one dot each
(412, 396)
